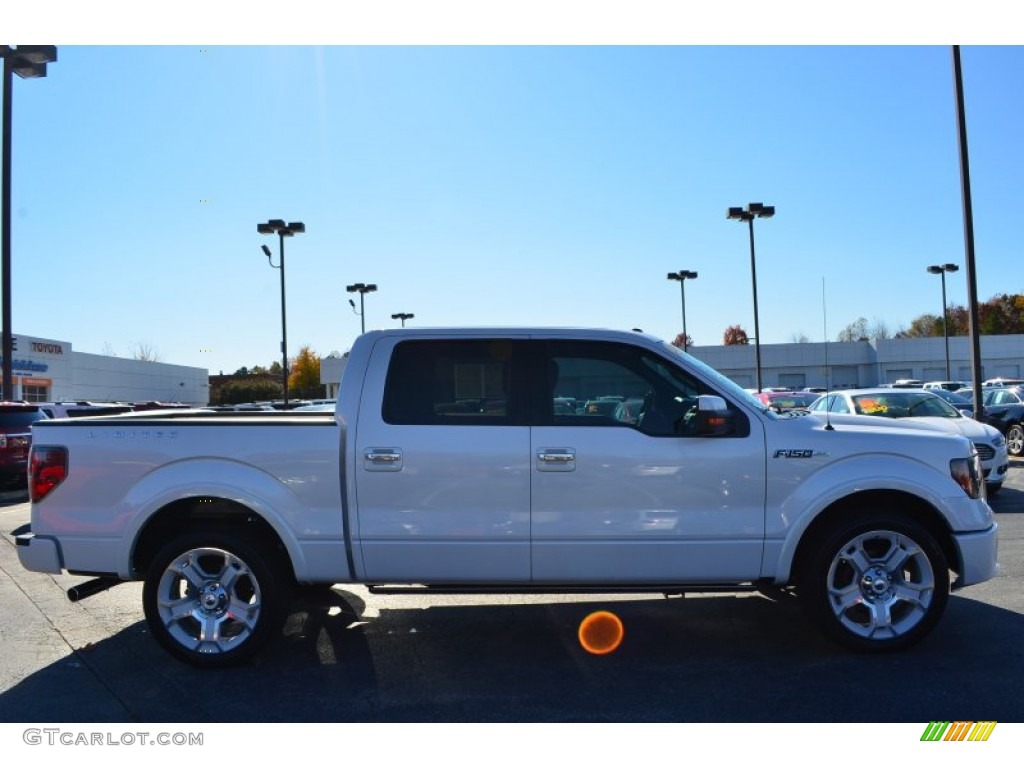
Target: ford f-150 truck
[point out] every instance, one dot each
(477, 460)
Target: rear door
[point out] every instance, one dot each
(442, 472)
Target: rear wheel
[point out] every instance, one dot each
(876, 585)
(214, 599)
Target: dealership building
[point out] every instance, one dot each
(866, 363)
(48, 370)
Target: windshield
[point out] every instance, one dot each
(901, 405)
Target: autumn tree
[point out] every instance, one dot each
(734, 335)
(683, 341)
(304, 379)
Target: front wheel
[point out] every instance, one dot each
(213, 599)
(875, 585)
(1015, 440)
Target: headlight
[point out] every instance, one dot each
(967, 474)
(998, 441)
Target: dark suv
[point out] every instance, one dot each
(16, 420)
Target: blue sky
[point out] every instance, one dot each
(499, 185)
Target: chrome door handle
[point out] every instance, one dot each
(382, 459)
(556, 460)
(551, 457)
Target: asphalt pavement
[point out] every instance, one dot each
(348, 656)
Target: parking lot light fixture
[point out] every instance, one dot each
(682, 276)
(403, 316)
(25, 61)
(283, 230)
(362, 289)
(753, 211)
(942, 269)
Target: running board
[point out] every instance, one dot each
(553, 589)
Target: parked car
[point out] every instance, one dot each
(907, 384)
(963, 404)
(80, 408)
(16, 420)
(1004, 410)
(1001, 382)
(787, 401)
(950, 386)
(926, 409)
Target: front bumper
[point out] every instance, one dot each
(37, 553)
(979, 560)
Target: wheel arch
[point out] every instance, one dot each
(893, 501)
(205, 513)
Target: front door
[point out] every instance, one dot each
(623, 492)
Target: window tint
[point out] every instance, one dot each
(453, 382)
(618, 385)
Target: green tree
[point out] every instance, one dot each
(249, 390)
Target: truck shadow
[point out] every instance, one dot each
(745, 658)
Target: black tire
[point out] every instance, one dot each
(878, 584)
(214, 599)
(1015, 440)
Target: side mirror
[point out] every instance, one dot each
(713, 416)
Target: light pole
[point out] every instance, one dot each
(753, 211)
(362, 289)
(682, 276)
(403, 316)
(283, 230)
(942, 269)
(24, 61)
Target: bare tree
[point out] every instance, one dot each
(145, 352)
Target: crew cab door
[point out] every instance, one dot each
(624, 498)
(442, 475)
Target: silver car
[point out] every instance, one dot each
(928, 409)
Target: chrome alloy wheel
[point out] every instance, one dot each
(1015, 440)
(880, 585)
(208, 600)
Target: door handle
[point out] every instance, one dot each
(382, 459)
(556, 459)
(552, 457)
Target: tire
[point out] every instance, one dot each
(1015, 440)
(214, 599)
(879, 584)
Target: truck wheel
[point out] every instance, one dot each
(875, 585)
(1015, 440)
(213, 599)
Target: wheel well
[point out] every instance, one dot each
(203, 514)
(895, 502)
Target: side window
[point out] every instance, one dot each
(604, 384)
(838, 405)
(452, 382)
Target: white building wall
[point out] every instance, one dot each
(98, 377)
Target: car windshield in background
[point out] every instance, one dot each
(902, 405)
(794, 401)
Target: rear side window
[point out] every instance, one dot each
(454, 382)
(14, 419)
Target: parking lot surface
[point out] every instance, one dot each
(348, 656)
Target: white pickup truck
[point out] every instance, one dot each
(510, 461)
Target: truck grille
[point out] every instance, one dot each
(985, 452)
